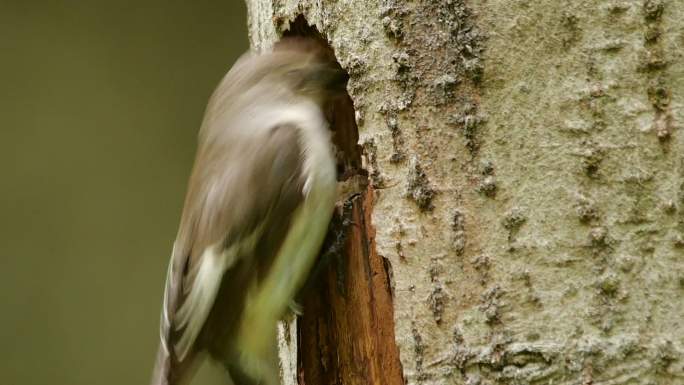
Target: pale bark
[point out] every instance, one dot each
(527, 181)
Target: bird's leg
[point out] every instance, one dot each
(338, 234)
(338, 231)
(333, 245)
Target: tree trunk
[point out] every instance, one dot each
(524, 217)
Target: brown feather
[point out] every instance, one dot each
(248, 180)
(263, 183)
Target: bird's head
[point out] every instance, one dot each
(297, 66)
(307, 69)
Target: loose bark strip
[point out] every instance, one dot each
(346, 334)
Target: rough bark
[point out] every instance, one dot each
(527, 182)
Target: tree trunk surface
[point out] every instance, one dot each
(524, 217)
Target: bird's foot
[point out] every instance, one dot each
(338, 231)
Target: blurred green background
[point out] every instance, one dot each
(100, 102)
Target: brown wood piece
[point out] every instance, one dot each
(346, 334)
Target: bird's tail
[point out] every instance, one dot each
(162, 368)
(168, 371)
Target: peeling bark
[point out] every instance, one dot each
(346, 334)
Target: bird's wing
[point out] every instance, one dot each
(231, 201)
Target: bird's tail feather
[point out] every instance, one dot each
(168, 371)
(162, 368)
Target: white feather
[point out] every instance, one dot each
(200, 299)
(206, 281)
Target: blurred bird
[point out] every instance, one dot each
(259, 200)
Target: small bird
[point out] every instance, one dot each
(260, 197)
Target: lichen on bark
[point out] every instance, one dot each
(529, 180)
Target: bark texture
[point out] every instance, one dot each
(527, 177)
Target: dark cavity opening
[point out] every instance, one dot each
(339, 112)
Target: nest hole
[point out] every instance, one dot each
(339, 111)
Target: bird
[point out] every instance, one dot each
(259, 200)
